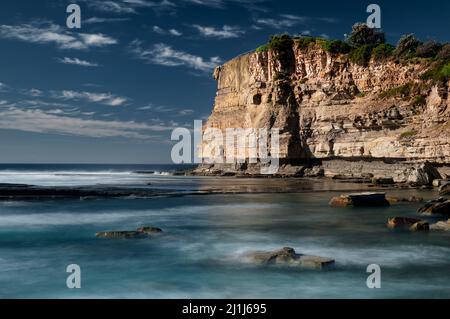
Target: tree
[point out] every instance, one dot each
(363, 35)
(428, 49)
(407, 46)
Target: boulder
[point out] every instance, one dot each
(360, 199)
(288, 257)
(443, 226)
(413, 224)
(119, 234)
(440, 206)
(444, 189)
(149, 230)
(439, 182)
(315, 171)
(424, 174)
(411, 199)
(383, 181)
(420, 226)
(141, 232)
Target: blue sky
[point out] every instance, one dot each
(112, 91)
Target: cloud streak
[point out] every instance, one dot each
(226, 32)
(165, 55)
(39, 121)
(49, 33)
(76, 61)
(161, 31)
(102, 98)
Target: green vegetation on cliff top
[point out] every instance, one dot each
(364, 44)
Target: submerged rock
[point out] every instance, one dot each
(141, 232)
(412, 199)
(413, 224)
(288, 257)
(360, 199)
(440, 206)
(119, 234)
(149, 230)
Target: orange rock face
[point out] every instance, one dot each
(326, 106)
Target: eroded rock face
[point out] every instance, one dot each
(326, 107)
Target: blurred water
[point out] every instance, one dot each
(198, 256)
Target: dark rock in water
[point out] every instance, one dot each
(8, 191)
(360, 199)
(149, 230)
(383, 181)
(414, 224)
(444, 189)
(440, 206)
(141, 232)
(347, 179)
(119, 234)
(288, 257)
(420, 226)
(412, 199)
(144, 172)
(228, 174)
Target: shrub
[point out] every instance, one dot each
(304, 42)
(407, 135)
(262, 48)
(361, 55)
(407, 46)
(336, 46)
(403, 91)
(419, 100)
(440, 72)
(444, 53)
(428, 49)
(363, 35)
(281, 42)
(382, 51)
(281, 45)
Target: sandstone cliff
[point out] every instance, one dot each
(327, 107)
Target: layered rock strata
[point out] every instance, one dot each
(382, 118)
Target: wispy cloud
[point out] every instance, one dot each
(3, 87)
(163, 54)
(254, 5)
(291, 20)
(40, 121)
(49, 33)
(76, 61)
(128, 6)
(225, 32)
(91, 97)
(94, 20)
(162, 31)
(166, 109)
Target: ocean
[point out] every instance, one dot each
(199, 254)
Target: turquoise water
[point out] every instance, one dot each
(199, 254)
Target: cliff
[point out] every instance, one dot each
(329, 108)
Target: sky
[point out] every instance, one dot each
(113, 90)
